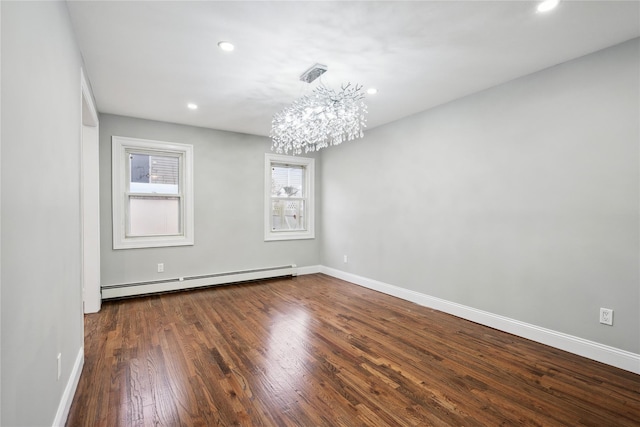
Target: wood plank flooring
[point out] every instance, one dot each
(317, 351)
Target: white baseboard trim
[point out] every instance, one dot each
(592, 350)
(69, 391)
(311, 269)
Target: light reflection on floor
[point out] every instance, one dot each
(287, 356)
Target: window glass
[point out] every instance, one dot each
(153, 174)
(288, 197)
(154, 216)
(287, 215)
(287, 181)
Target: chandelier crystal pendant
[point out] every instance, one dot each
(323, 118)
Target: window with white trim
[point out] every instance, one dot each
(288, 198)
(152, 185)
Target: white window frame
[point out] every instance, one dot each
(120, 146)
(309, 167)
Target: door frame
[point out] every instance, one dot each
(89, 200)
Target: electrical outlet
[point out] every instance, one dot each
(161, 268)
(346, 260)
(606, 316)
(59, 365)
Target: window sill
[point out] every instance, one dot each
(151, 242)
(288, 235)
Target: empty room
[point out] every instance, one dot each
(320, 213)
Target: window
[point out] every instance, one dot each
(152, 184)
(288, 198)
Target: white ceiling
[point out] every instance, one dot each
(148, 59)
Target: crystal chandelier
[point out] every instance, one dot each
(325, 117)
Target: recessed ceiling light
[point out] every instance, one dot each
(372, 91)
(192, 106)
(547, 5)
(226, 46)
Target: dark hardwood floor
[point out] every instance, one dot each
(317, 351)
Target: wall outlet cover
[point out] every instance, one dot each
(606, 316)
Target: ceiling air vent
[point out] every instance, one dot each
(313, 73)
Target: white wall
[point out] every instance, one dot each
(40, 243)
(0, 216)
(521, 200)
(229, 203)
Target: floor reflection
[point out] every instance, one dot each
(287, 355)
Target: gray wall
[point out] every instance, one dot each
(40, 242)
(229, 203)
(521, 200)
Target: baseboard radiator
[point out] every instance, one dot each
(182, 283)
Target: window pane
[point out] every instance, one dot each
(154, 174)
(287, 215)
(287, 181)
(154, 216)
